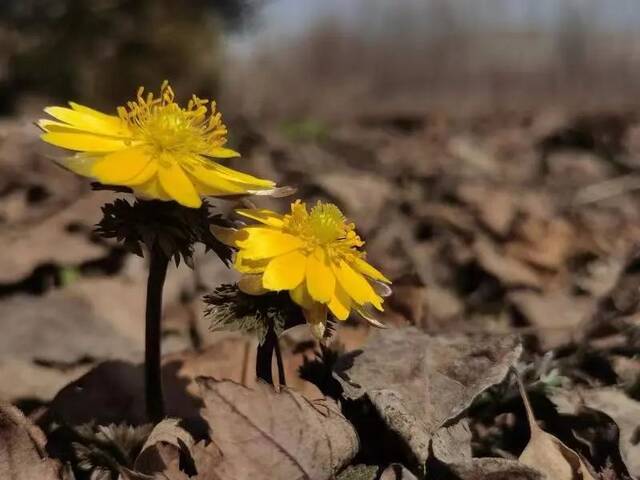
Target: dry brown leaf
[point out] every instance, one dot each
(59, 327)
(204, 458)
(446, 215)
(163, 447)
(25, 248)
(442, 305)
(22, 449)
(493, 469)
(509, 270)
(473, 155)
(407, 300)
(496, 207)
(556, 316)
(543, 243)
(616, 404)
(417, 382)
(359, 472)
(115, 389)
(546, 453)
(264, 434)
(354, 191)
(397, 472)
(37, 381)
(452, 444)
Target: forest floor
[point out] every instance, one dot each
(512, 241)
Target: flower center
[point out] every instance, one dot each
(327, 222)
(326, 227)
(171, 131)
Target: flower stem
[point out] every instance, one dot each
(152, 368)
(264, 359)
(281, 379)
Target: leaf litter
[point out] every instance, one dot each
(494, 245)
(547, 454)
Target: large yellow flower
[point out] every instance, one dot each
(157, 148)
(314, 255)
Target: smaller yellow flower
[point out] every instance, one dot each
(317, 256)
(153, 146)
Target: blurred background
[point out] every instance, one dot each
(264, 55)
(488, 151)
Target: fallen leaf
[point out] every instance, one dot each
(59, 327)
(115, 389)
(49, 240)
(203, 459)
(359, 472)
(442, 305)
(510, 271)
(264, 434)
(163, 447)
(618, 406)
(492, 469)
(473, 155)
(22, 449)
(37, 381)
(408, 299)
(543, 243)
(495, 207)
(397, 472)
(452, 444)
(556, 316)
(417, 382)
(546, 453)
(353, 190)
(445, 215)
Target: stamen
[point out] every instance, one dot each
(164, 126)
(325, 226)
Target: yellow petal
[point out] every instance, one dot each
(144, 176)
(301, 296)
(245, 265)
(365, 268)
(356, 285)
(119, 167)
(96, 113)
(264, 242)
(83, 142)
(214, 181)
(51, 126)
(208, 191)
(54, 126)
(252, 285)
(340, 304)
(240, 177)
(90, 122)
(285, 272)
(81, 163)
(221, 152)
(262, 215)
(178, 186)
(321, 282)
(152, 190)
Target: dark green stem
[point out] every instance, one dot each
(281, 379)
(264, 359)
(152, 367)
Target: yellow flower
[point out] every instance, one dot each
(157, 148)
(314, 255)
